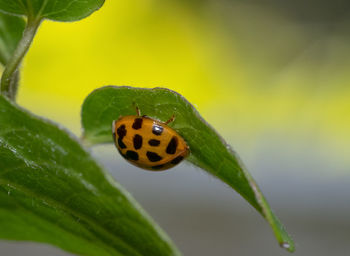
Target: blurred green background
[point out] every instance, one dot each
(271, 76)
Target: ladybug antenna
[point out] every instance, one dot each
(171, 119)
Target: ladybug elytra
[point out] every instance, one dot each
(148, 143)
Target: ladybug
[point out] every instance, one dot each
(148, 143)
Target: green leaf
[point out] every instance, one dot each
(208, 150)
(52, 191)
(59, 10)
(11, 30)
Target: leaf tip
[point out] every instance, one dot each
(289, 246)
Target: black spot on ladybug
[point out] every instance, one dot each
(154, 143)
(132, 155)
(177, 160)
(137, 123)
(120, 143)
(153, 157)
(157, 129)
(137, 141)
(171, 148)
(157, 167)
(121, 131)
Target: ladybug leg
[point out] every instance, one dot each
(113, 127)
(138, 112)
(170, 120)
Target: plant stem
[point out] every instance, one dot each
(9, 79)
(14, 85)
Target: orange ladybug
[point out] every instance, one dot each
(148, 143)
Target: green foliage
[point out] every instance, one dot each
(51, 190)
(11, 30)
(59, 10)
(208, 150)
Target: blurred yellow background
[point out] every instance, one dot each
(272, 78)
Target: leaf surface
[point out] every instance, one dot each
(208, 150)
(52, 191)
(58, 10)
